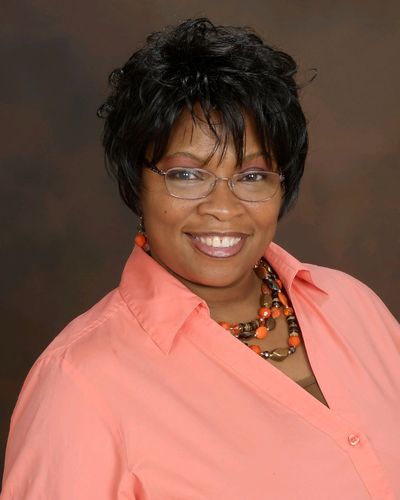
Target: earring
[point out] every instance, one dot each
(140, 238)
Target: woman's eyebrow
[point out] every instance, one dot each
(252, 156)
(248, 157)
(184, 153)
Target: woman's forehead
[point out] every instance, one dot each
(192, 135)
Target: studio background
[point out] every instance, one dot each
(66, 234)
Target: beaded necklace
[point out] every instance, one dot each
(273, 302)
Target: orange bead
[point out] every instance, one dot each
(294, 341)
(264, 312)
(279, 283)
(261, 332)
(288, 311)
(236, 329)
(140, 240)
(283, 299)
(255, 348)
(275, 312)
(224, 324)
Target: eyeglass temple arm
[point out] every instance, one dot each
(148, 164)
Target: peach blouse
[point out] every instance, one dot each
(145, 397)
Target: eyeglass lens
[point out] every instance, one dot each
(251, 185)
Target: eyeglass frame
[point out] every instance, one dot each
(151, 166)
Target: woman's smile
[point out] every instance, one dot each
(219, 245)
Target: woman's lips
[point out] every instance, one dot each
(218, 245)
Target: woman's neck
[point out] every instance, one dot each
(237, 302)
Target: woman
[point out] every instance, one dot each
(221, 367)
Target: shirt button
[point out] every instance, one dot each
(353, 439)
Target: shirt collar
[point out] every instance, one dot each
(152, 293)
(159, 301)
(289, 268)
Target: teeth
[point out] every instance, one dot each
(218, 242)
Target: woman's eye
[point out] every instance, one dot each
(255, 176)
(184, 174)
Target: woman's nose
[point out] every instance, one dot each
(221, 203)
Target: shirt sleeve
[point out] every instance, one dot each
(377, 313)
(63, 444)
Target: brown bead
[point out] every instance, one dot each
(279, 354)
(265, 289)
(261, 272)
(270, 323)
(245, 335)
(248, 327)
(265, 300)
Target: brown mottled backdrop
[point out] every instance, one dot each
(65, 235)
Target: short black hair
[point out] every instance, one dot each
(224, 69)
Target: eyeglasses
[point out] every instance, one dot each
(194, 183)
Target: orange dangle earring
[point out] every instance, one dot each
(140, 238)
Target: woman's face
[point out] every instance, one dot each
(185, 236)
